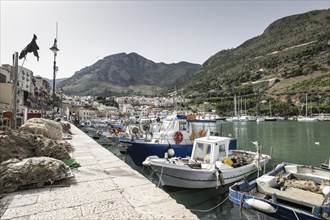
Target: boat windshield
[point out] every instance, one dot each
(201, 150)
(221, 153)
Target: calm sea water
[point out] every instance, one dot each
(289, 141)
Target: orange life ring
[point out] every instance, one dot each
(178, 137)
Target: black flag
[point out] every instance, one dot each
(31, 47)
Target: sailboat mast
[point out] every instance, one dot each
(235, 107)
(306, 106)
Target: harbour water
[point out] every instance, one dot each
(289, 141)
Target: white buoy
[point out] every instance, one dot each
(170, 152)
(260, 205)
(326, 190)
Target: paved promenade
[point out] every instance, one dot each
(104, 187)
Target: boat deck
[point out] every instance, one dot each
(294, 195)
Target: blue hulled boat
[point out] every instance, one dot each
(174, 138)
(290, 191)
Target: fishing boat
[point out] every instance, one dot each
(240, 117)
(307, 118)
(175, 138)
(214, 161)
(290, 191)
(236, 117)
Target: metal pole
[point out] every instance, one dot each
(54, 75)
(61, 101)
(15, 74)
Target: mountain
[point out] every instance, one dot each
(127, 74)
(290, 58)
(57, 81)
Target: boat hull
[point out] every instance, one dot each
(307, 119)
(140, 151)
(186, 177)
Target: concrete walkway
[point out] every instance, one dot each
(104, 187)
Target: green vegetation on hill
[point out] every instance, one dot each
(289, 59)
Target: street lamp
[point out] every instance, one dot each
(55, 50)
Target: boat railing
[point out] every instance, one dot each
(171, 141)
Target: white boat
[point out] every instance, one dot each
(246, 118)
(260, 119)
(213, 163)
(235, 118)
(306, 118)
(240, 117)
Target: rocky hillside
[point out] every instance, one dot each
(291, 58)
(127, 74)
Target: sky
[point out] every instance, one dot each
(166, 31)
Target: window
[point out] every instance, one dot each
(222, 150)
(183, 126)
(201, 150)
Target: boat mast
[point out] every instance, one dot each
(235, 107)
(306, 106)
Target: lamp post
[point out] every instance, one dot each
(55, 50)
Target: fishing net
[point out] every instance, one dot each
(35, 129)
(48, 128)
(65, 127)
(50, 148)
(16, 174)
(23, 145)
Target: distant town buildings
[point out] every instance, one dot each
(34, 95)
(33, 92)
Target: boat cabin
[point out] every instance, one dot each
(210, 149)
